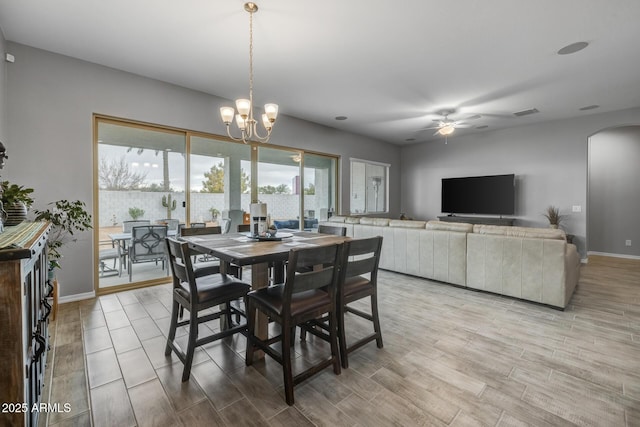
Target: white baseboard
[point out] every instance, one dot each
(613, 255)
(77, 297)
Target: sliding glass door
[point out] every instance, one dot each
(141, 183)
(149, 176)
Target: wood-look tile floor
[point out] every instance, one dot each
(451, 357)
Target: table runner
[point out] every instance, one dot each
(19, 235)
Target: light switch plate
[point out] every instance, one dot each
(577, 208)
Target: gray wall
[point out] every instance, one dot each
(3, 90)
(51, 99)
(614, 191)
(549, 160)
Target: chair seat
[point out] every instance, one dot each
(357, 285)
(302, 302)
(215, 287)
(106, 254)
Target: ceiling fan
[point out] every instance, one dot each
(446, 127)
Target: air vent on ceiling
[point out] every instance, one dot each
(482, 127)
(526, 112)
(589, 107)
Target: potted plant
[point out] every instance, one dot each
(16, 201)
(553, 215)
(214, 213)
(66, 218)
(136, 213)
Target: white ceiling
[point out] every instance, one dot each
(388, 65)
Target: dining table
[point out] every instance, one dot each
(243, 250)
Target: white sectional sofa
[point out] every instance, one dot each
(533, 264)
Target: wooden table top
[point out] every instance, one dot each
(239, 249)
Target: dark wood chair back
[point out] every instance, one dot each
(181, 266)
(331, 229)
(198, 231)
(312, 268)
(361, 256)
(243, 228)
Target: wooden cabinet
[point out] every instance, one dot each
(24, 319)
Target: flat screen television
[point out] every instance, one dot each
(488, 195)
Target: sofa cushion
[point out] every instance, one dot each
(527, 232)
(352, 220)
(380, 222)
(461, 227)
(406, 223)
(337, 218)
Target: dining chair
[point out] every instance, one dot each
(206, 263)
(127, 226)
(225, 224)
(107, 252)
(331, 229)
(243, 228)
(358, 280)
(171, 223)
(302, 297)
(147, 244)
(196, 294)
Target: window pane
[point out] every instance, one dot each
(369, 187)
(319, 186)
(279, 186)
(220, 181)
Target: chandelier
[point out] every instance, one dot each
(244, 116)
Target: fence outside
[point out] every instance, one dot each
(114, 205)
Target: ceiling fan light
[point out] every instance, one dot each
(446, 130)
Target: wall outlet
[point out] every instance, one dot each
(577, 208)
(627, 242)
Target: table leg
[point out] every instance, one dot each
(260, 279)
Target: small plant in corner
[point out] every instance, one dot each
(553, 215)
(135, 213)
(66, 219)
(214, 213)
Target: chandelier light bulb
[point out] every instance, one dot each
(271, 110)
(243, 106)
(266, 122)
(227, 114)
(241, 122)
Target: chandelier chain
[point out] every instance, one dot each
(244, 114)
(251, 62)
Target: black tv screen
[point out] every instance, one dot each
(491, 195)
